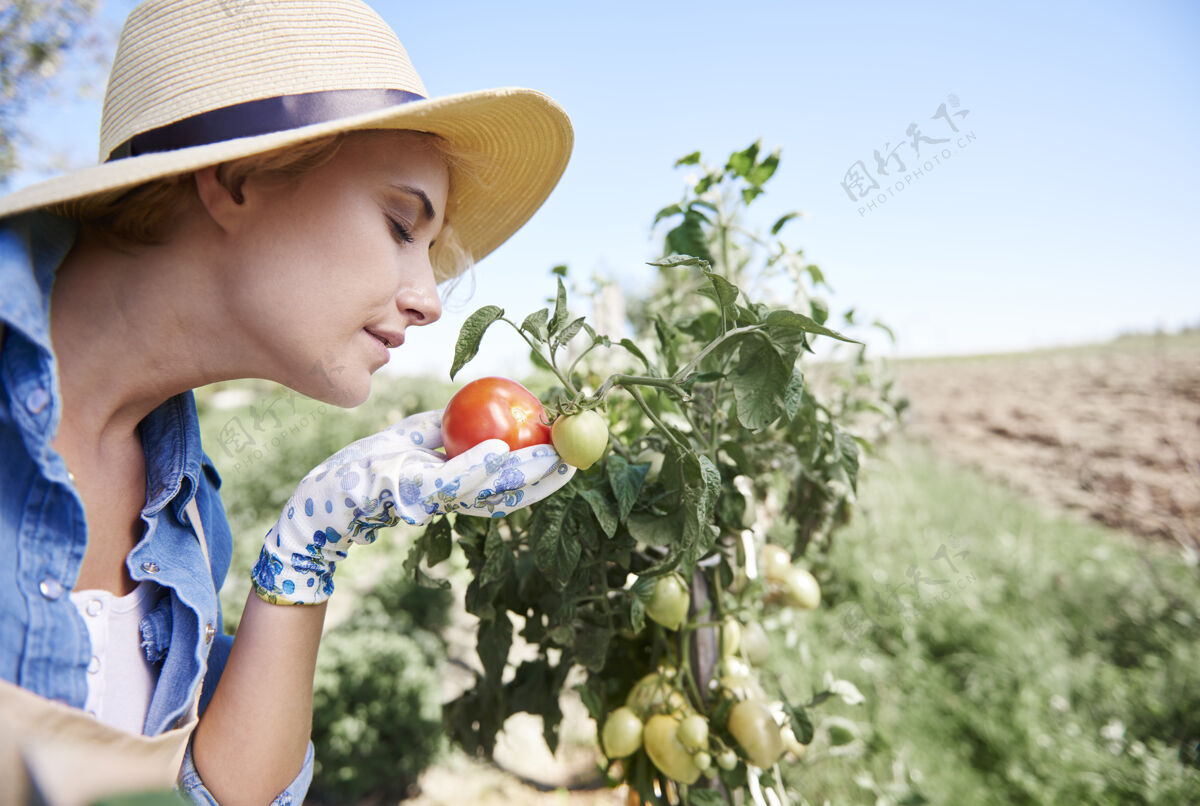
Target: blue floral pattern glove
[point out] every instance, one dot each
(395, 476)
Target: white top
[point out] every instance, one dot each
(120, 679)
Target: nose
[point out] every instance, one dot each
(419, 301)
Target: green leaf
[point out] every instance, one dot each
(794, 394)
(817, 276)
(470, 334)
(688, 237)
(764, 170)
(848, 455)
(498, 559)
(637, 615)
(591, 701)
(556, 547)
(603, 507)
(560, 270)
(637, 351)
(535, 324)
(570, 330)
(625, 481)
(654, 530)
(668, 335)
(492, 645)
(690, 159)
(560, 309)
(760, 381)
(701, 490)
(437, 539)
(750, 194)
(778, 225)
(790, 320)
(705, 797)
(820, 310)
(591, 646)
(723, 292)
(741, 162)
(891, 334)
(802, 726)
(675, 261)
(667, 212)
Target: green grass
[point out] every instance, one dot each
(1059, 664)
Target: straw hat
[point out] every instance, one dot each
(205, 81)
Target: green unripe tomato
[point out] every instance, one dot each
(703, 760)
(755, 644)
(666, 752)
(668, 605)
(654, 690)
(776, 563)
(755, 729)
(580, 439)
(731, 637)
(622, 734)
(727, 760)
(802, 589)
(693, 734)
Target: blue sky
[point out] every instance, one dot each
(1065, 219)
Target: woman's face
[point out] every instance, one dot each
(335, 263)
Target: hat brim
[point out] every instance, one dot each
(523, 139)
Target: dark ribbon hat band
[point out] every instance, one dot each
(263, 116)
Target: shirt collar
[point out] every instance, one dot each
(171, 441)
(41, 240)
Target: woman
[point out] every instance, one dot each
(277, 198)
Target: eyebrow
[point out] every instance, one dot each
(426, 204)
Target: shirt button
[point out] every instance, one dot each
(94, 607)
(94, 665)
(37, 400)
(150, 567)
(51, 588)
(209, 632)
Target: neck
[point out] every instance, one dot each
(131, 330)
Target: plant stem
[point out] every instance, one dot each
(549, 361)
(670, 432)
(682, 373)
(641, 380)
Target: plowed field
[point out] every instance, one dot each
(1112, 431)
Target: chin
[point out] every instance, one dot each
(340, 392)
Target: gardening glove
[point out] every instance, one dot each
(395, 476)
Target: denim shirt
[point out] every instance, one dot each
(44, 644)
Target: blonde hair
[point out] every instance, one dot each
(147, 214)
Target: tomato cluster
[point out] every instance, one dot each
(499, 408)
(737, 724)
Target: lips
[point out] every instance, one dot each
(388, 338)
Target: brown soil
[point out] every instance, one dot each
(1112, 430)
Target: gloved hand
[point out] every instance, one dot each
(395, 476)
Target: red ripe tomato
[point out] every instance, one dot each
(493, 408)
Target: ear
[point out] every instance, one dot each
(222, 206)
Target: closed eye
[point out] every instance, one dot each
(399, 231)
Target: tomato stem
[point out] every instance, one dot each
(548, 359)
(666, 429)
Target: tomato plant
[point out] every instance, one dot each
(646, 577)
(493, 408)
(580, 438)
